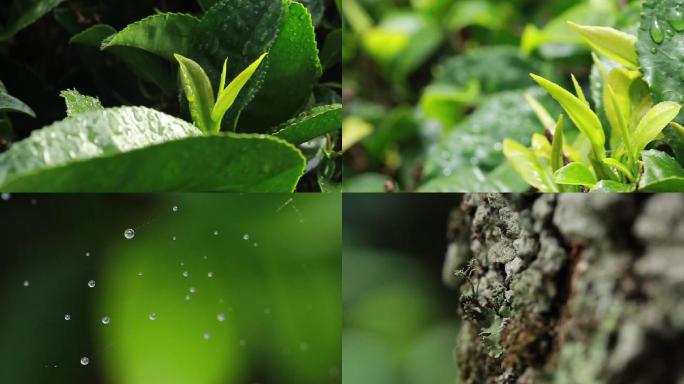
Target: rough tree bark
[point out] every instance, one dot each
(570, 288)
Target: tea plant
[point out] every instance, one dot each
(634, 121)
(439, 105)
(273, 124)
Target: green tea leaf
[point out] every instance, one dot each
(198, 92)
(240, 31)
(575, 174)
(662, 173)
(331, 53)
(138, 149)
(293, 68)
(654, 122)
(527, 166)
(610, 186)
(93, 36)
(313, 123)
(77, 103)
(9, 103)
(557, 146)
(25, 13)
(162, 34)
(615, 44)
(618, 104)
(580, 113)
(619, 166)
(226, 96)
(660, 59)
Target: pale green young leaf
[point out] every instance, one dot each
(619, 166)
(580, 114)
(653, 122)
(9, 103)
(222, 84)
(575, 174)
(198, 92)
(227, 95)
(610, 42)
(541, 146)
(578, 90)
(617, 102)
(557, 146)
(354, 129)
(610, 186)
(528, 166)
(77, 103)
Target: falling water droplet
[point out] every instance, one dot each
(129, 233)
(186, 273)
(245, 236)
(91, 283)
(105, 320)
(221, 317)
(656, 31)
(140, 274)
(210, 274)
(216, 233)
(206, 335)
(26, 283)
(173, 238)
(87, 254)
(85, 360)
(192, 290)
(175, 208)
(676, 19)
(153, 316)
(67, 317)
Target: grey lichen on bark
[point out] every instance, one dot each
(570, 288)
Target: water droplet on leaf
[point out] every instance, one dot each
(186, 273)
(91, 283)
(221, 317)
(175, 208)
(129, 233)
(676, 19)
(105, 320)
(153, 316)
(656, 31)
(245, 237)
(85, 360)
(26, 283)
(67, 317)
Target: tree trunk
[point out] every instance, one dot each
(571, 288)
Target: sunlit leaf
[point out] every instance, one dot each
(662, 173)
(313, 123)
(198, 92)
(610, 186)
(575, 174)
(527, 166)
(557, 146)
(617, 45)
(654, 122)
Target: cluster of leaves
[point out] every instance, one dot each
(434, 89)
(622, 162)
(275, 126)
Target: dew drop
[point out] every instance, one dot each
(192, 290)
(87, 254)
(26, 283)
(654, 50)
(210, 274)
(153, 316)
(656, 31)
(186, 273)
(129, 233)
(175, 208)
(221, 317)
(140, 274)
(173, 238)
(91, 283)
(245, 236)
(206, 335)
(216, 233)
(187, 297)
(105, 320)
(676, 19)
(67, 317)
(85, 360)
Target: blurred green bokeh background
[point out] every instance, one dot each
(278, 290)
(399, 321)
